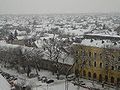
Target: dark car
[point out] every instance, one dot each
(50, 81)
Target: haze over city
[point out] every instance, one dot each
(58, 6)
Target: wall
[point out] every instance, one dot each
(87, 59)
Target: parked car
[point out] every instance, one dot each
(50, 81)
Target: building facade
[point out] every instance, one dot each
(99, 64)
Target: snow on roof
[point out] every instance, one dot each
(104, 35)
(21, 32)
(100, 43)
(77, 31)
(48, 36)
(4, 44)
(21, 37)
(39, 43)
(38, 29)
(4, 85)
(15, 24)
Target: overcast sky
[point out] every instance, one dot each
(58, 6)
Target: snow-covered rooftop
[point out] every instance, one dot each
(100, 43)
(104, 35)
(4, 85)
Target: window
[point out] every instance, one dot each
(118, 80)
(118, 67)
(103, 41)
(89, 74)
(100, 78)
(95, 55)
(76, 52)
(83, 53)
(112, 79)
(89, 54)
(91, 40)
(94, 76)
(89, 63)
(106, 78)
(100, 65)
(119, 58)
(84, 73)
(112, 67)
(100, 56)
(94, 64)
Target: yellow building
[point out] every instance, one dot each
(99, 64)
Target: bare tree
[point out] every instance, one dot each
(37, 56)
(54, 51)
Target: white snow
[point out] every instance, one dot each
(104, 35)
(98, 43)
(56, 85)
(4, 85)
(21, 37)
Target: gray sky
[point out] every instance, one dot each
(58, 6)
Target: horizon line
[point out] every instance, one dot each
(59, 13)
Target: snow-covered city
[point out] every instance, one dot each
(56, 51)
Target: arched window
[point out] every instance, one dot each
(89, 74)
(94, 76)
(100, 78)
(84, 73)
(89, 54)
(95, 55)
(106, 78)
(100, 56)
(100, 65)
(112, 79)
(94, 64)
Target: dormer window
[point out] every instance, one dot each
(115, 43)
(103, 41)
(91, 40)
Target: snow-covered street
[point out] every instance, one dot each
(56, 85)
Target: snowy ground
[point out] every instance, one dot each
(4, 85)
(56, 85)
